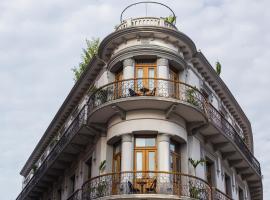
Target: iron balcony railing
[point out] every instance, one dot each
(73, 128)
(218, 195)
(146, 182)
(156, 87)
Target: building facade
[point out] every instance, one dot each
(148, 119)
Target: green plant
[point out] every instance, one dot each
(102, 166)
(34, 168)
(195, 163)
(101, 188)
(171, 19)
(191, 97)
(194, 191)
(218, 68)
(88, 54)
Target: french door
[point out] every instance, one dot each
(145, 74)
(173, 85)
(118, 85)
(145, 160)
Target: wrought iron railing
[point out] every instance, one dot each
(75, 125)
(146, 182)
(218, 195)
(229, 131)
(147, 87)
(76, 195)
(171, 89)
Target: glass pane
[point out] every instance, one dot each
(150, 142)
(151, 74)
(139, 75)
(172, 147)
(139, 161)
(140, 142)
(151, 161)
(145, 142)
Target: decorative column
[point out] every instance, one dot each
(128, 73)
(163, 152)
(126, 151)
(163, 72)
(126, 161)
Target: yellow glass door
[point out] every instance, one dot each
(118, 85)
(173, 85)
(145, 161)
(145, 75)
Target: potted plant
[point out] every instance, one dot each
(102, 184)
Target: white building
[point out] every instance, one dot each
(147, 104)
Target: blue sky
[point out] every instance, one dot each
(40, 41)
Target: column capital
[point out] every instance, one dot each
(128, 62)
(126, 138)
(162, 62)
(163, 138)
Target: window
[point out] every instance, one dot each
(240, 194)
(173, 85)
(228, 188)
(89, 167)
(72, 184)
(175, 159)
(145, 154)
(59, 194)
(145, 73)
(209, 171)
(117, 157)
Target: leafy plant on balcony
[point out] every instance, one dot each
(101, 188)
(191, 97)
(218, 68)
(102, 166)
(195, 163)
(87, 55)
(170, 19)
(194, 191)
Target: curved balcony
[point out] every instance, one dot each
(177, 96)
(145, 21)
(146, 184)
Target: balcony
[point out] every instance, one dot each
(50, 168)
(146, 184)
(218, 195)
(183, 99)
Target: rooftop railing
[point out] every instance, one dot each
(146, 183)
(146, 21)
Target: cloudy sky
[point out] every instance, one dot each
(40, 41)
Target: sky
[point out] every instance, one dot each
(40, 41)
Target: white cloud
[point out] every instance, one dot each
(42, 40)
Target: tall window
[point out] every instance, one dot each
(175, 159)
(72, 184)
(145, 154)
(118, 84)
(240, 194)
(173, 85)
(228, 188)
(145, 72)
(209, 171)
(117, 157)
(89, 167)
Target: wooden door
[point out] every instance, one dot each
(145, 75)
(116, 168)
(118, 86)
(145, 161)
(173, 85)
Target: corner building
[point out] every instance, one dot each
(147, 104)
